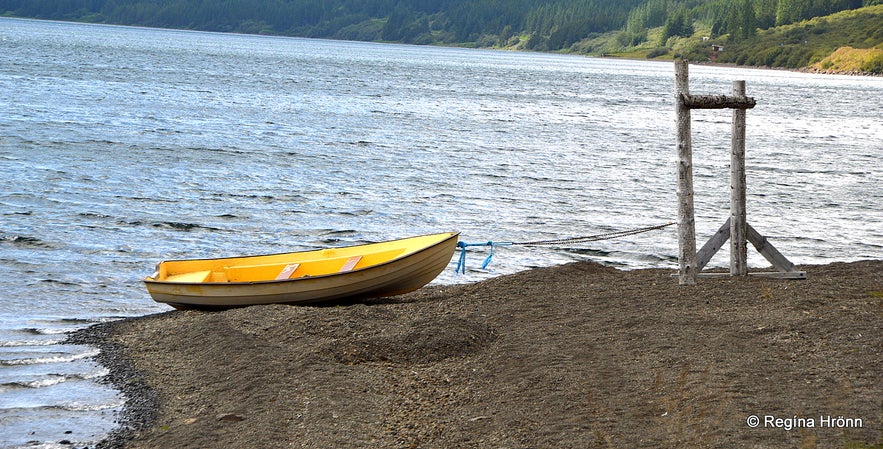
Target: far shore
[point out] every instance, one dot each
(602, 56)
(809, 70)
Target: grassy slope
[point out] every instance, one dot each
(820, 44)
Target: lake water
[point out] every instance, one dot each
(121, 146)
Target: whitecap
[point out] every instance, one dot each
(51, 359)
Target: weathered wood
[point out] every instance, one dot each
(718, 101)
(713, 245)
(736, 229)
(738, 219)
(760, 274)
(768, 251)
(686, 221)
(781, 275)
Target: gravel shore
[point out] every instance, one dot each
(574, 356)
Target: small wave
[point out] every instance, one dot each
(48, 381)
(56, 281)
(588, 252)
(233, 151)
(73, 407)
(329, 237)
(81, 407)
(101, 141)
(339, 232)
(357, 213)
(94, 215)
(147, 199)
(49, 330)
(24, 241)
(17, 343)
(253, 196)
(187, 227)
(52, 379)
(51, 359)
(56, 326)
(75, 320)
(175, 225)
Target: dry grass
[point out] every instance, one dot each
(848, 59)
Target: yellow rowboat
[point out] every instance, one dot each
(364, 271)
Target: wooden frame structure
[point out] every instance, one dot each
(736, 229)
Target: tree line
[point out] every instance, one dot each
(547, 25)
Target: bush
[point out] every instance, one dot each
(798, 58)
(657, 52)
(873, 64)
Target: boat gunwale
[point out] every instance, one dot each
(451, 235)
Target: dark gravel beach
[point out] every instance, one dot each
(574, 356)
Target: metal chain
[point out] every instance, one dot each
(596, 237)
(461, 263)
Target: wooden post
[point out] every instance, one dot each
(686, 220)
(738, 220)
(736, 228)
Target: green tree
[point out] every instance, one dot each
(790, 11)
(503, 39)
(393, 30)
(678, 24)
(745, 20)
(765, 13)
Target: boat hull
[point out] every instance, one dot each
(400, 275)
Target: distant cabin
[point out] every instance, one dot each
(715, 49)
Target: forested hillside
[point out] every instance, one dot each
(654, 28)
(855, 37)
(410, 21)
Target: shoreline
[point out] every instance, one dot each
(576, 355)
(808, 70)
(141, 403)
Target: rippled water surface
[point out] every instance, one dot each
(120, 147)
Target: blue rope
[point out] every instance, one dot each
(461, 263)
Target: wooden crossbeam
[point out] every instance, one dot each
(717, 101)
(760, 274)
